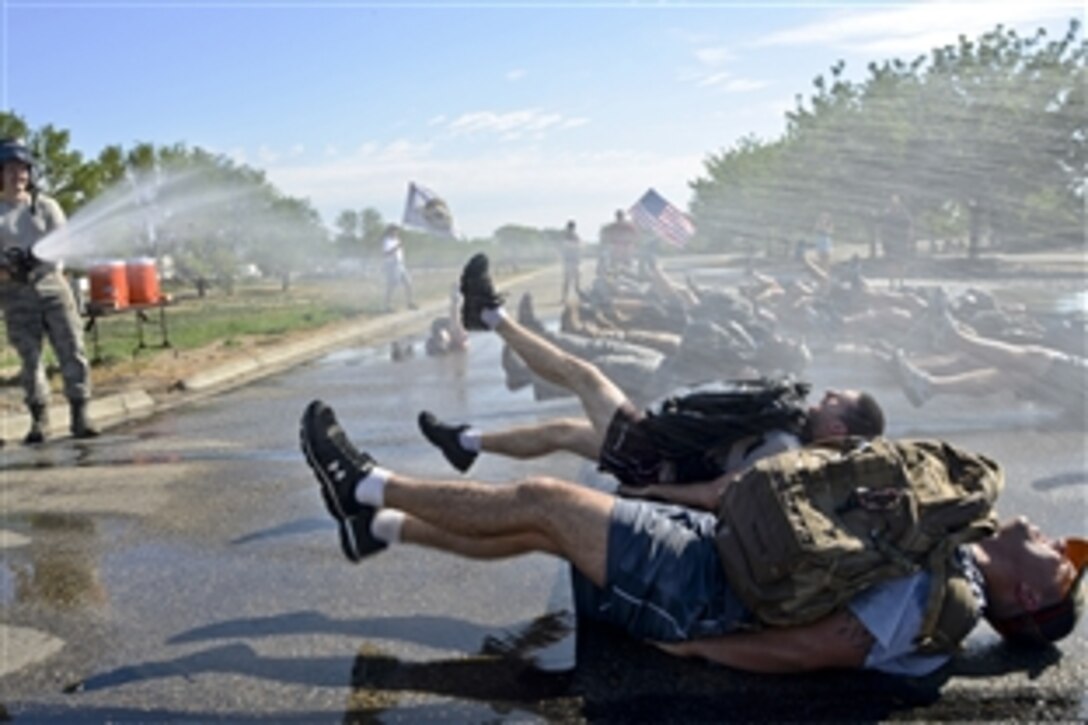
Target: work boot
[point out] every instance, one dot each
(339, 467)
(39, 424)
(527, 315)
(448, 439)
(477, 293)
(81, 427)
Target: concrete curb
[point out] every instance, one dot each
(105, 411)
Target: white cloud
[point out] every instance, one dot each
(512, 125)
(267, 155)
(711, 73)
(713, 56)
(515, 74)
(722, 81)
(437, 120)
(919, 27)
(488, 190)
(742, 85)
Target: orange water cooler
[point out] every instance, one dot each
(143, 281)
(109, 285)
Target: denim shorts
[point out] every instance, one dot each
(664, 580)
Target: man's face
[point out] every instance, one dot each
(1042, 563)
(826, 417)
(16, 175)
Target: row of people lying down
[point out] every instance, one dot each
(843, 306)
(931, 345)
(666, 573)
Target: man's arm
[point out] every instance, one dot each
(695, 495)
(836, 641)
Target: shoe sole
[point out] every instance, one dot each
(328, 492)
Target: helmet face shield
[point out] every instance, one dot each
(15, 151)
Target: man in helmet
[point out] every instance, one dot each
(36, 299)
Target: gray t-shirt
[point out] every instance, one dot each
(20, 227)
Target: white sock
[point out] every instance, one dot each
(371, 490)
(386, 525)
(493, 316)
(471, 439)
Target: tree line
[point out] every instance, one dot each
(983, 141)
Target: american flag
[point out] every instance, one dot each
(653, 214)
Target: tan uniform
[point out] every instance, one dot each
(41, 306)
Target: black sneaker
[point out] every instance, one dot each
(448, 439)
(477, 293)
(356, 541)
(339, 466)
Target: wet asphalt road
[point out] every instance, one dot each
(184, 567)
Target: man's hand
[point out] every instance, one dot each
(18, 263)
(836, 641)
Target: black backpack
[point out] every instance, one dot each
(695, 431)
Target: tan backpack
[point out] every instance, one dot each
(802, 532)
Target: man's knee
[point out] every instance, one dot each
(577, 435)
(542, 491)
(583, 375)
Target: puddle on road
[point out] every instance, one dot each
(59, 567)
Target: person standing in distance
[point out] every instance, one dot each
(572, 260)
(36, 299)
(396, 273)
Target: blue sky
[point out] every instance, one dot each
(530, 112)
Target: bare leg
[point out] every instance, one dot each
(1031, 361)
(563, 434)
(977, 383)
(419, 532)
(553, 515)
(600, 397)
(458, 336)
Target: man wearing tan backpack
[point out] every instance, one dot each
(657, 571)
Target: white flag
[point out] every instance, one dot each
(426, 211)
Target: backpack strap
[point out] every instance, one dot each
(952, 607)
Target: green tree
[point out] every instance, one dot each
(984, 138)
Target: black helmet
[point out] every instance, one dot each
(12, 149)
(15, 150)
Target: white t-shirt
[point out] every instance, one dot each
(394, 253)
